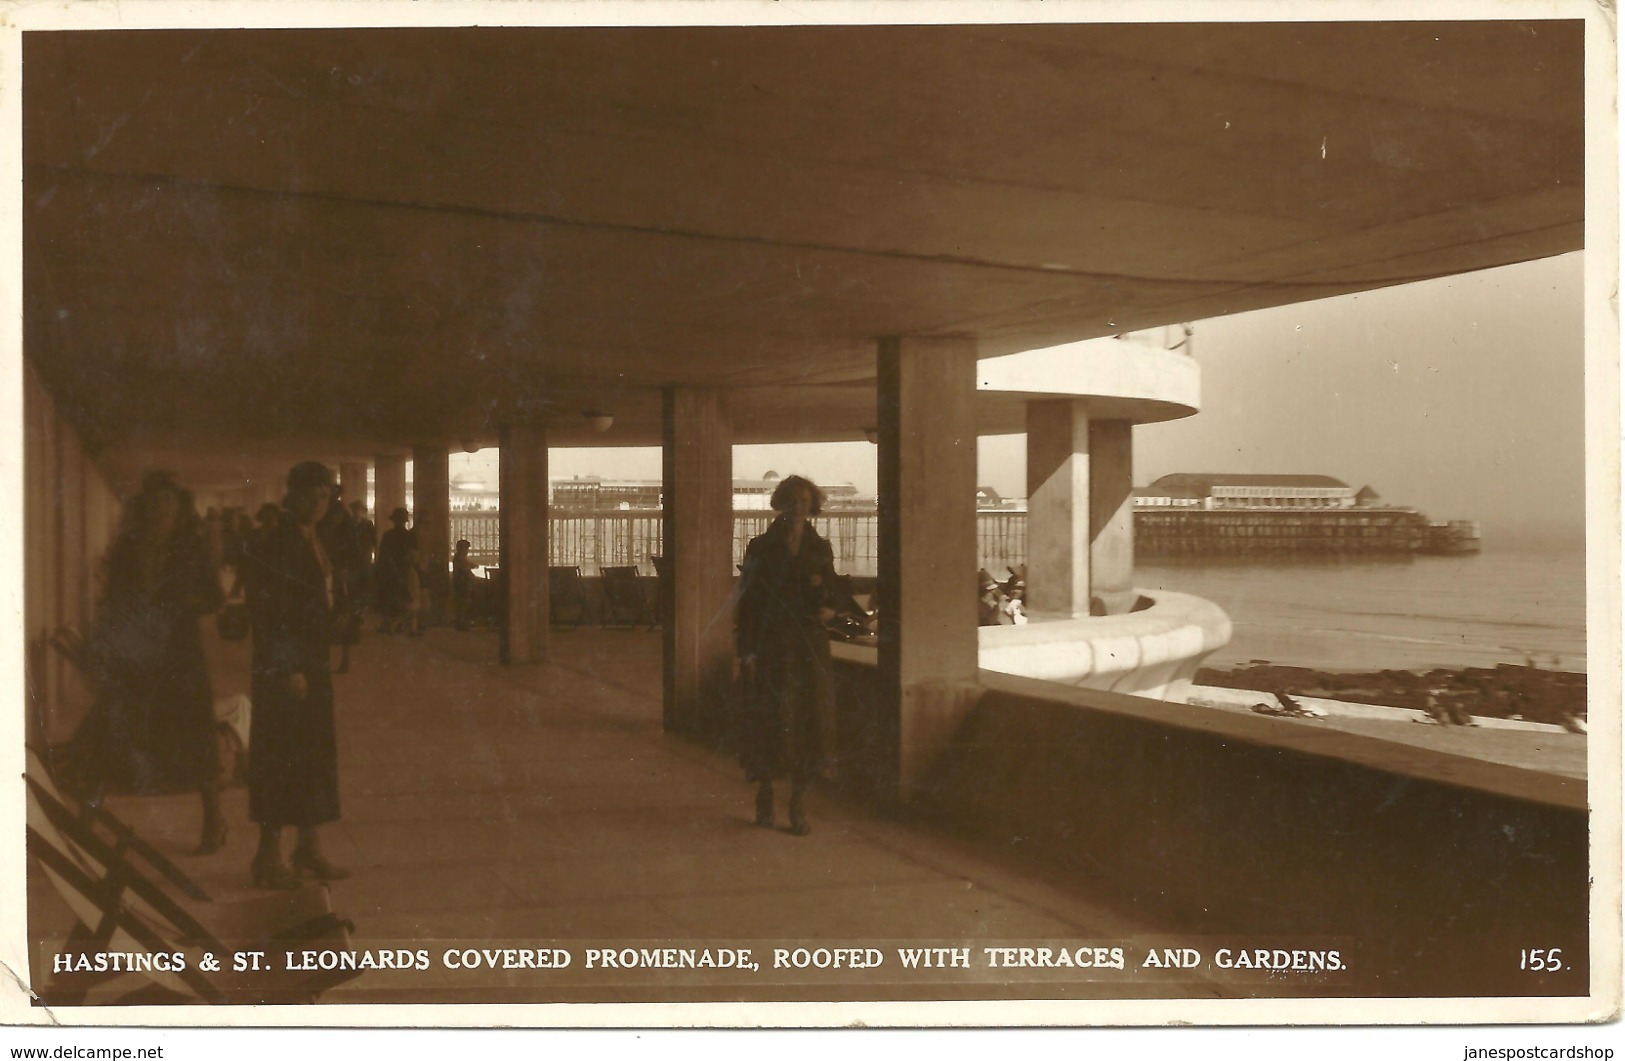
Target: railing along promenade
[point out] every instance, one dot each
(594, 540)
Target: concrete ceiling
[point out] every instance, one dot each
(344, 241)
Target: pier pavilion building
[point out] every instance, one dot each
(245, 248)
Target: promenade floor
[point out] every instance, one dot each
(539, 807)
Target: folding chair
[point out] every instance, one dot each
(625, 601)
(118, 909)
(566, 593)
(122, 839)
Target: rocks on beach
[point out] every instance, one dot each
(1505, 691)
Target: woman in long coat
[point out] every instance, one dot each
(784, 601)
(152, 728)
(292, 747)
(394, 572)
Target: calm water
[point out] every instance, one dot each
(1504, 605)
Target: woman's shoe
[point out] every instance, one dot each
(214, 838)
(273, 874)
(764, 808)
(307, 861)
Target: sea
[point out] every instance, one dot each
(1508, 604)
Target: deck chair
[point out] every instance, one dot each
(112, 831)
(625, 601)
(567, 596)
(119, 908)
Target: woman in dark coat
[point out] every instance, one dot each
(292, 747)
(784, 601)
(153, 727)
(394, 571)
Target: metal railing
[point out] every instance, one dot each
(595, 540)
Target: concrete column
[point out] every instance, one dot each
(1080, 512)
(431, 519)
(1057, 509)
(388, 488)
(522, 487)
(1111, 514)
(697, 542)
(927, 545)
(353, 478)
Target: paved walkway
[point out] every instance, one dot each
(542, 807)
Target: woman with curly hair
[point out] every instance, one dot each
(152, 728)
(785, 598)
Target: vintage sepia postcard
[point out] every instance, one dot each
(734, 514)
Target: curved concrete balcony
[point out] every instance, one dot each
(1117, 379)
(1152, 652)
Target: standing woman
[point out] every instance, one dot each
(153, 726)
(393, 571)
(784, 601)
(292, 749)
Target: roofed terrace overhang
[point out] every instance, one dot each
(342, 241)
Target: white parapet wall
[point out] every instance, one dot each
(1152, 652)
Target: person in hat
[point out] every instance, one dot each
(293, 749)
(395, 573)
(462, 583)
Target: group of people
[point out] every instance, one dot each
(1002, 603)
(303, 573)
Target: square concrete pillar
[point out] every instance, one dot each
(353, 478)
(1057, 509)
(697, 543)
(1080, 512)
(522, 490)
(927, 546)
(1111, 514)
(431, 519)
(388, 488)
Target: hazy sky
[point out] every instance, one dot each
(1462, 397)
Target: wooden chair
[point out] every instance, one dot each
(113, 832)
(567, 595)
(119, 909)
(626, 602)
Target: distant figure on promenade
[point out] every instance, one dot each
(152, 728)
(1451, 713)
(254, 540)
(784, 601)
(990, 601)
(292, 747)
(462, 583)
(337, 530)
(395, 573)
